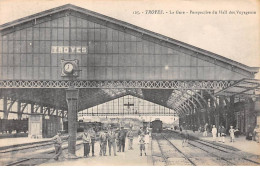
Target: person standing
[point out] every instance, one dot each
(185, 139)
(214, 133)
(232, 134)
(86, 142)
(117, 139)
(205, 133)
(140, 131)
(130, 136)
(57, 145)
(103, 142)
(219, 133)
(111, 138)
(93, 140)
(256, 133)
(122, 136)
(142, 144)
(147, 136)
(223, 134)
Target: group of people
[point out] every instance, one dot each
(113, 138)
(221, 133)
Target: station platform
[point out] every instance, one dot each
(240, 143)
(127, 158)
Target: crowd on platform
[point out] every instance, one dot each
(112, 138)
(221, 132)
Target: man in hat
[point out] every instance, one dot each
(130, 136)
(117, 138)
(223, 133)
(111, 138)
(103, 142)
(93, 140)
(122, 136)
(86, 142)
(232, 134)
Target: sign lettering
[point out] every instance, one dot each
(69, 49)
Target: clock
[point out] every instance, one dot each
(68, 67)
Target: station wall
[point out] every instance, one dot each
(34, 53)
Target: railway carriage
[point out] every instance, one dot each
(8, 125)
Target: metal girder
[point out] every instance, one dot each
(36, 108)
(188, 99)
(181, 95)
(178, 110)
(195, 98)
(187, 107)
(177, 84)
(244, 87)
(24, 106)
(52, 111)
(45, 97)
(213, 97)
(202, 98)
(182, 111)
(10, 105)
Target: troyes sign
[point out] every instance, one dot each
(69, 49)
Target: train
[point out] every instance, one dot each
(9, 125)
(156, 126)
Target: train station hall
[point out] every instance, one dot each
(81, 88)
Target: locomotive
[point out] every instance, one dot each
(156, 126)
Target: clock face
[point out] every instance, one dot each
(68, 67)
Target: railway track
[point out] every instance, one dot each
(25, 147)
(165, 159)
(26, 154)
(205, 147)
(185, 156)
(171, 156)
(232, 156)
(38, 159)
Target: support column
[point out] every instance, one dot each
(198, 118)
(5, 108)
(41, 109)
(32, 108)
(221, 111)
(72, 100)
(230, 112)
(19, 113)
(212, 112)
